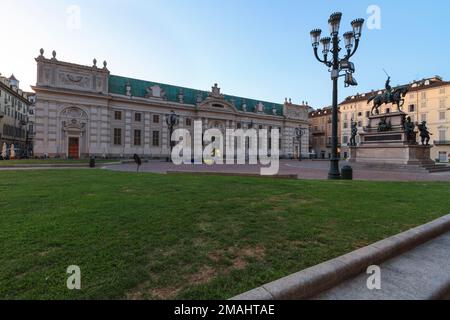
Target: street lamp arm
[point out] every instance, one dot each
(317, 57)
(349, 55)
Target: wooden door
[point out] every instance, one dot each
(74, 147)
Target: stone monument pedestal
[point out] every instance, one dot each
(384, 141)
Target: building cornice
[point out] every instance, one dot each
(145, 102)
(14, 93)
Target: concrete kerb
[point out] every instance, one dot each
(312, 281)
(56, 165)
(232, 174)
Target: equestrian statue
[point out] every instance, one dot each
(390, 95)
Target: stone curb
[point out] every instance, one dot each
(312, 281)
(57, 165)
(233, 174)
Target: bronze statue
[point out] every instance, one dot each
(388, 88)
(383, 125)
(354, 133)
(394, 96)
(408, 128)
(424, 133)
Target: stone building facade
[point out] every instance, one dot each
(320, 133)
(14, 117)
(428, 100)
(83, 111)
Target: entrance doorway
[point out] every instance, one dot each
(442, 156)
(74, 144)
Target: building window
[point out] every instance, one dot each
(442, 103)
(411, 108)
(423, 95)
(388, 110)
(155, 118)
(188, 122)
(345, 125)
(117, 136)
(117, 115)
(345, 139)
(442, 135)
(155, 139)
(423, 117)
(367, 114)
(359, 114)
(441, 115)
(423, 104)
(137, 117)
(239, 125)
(137, 137)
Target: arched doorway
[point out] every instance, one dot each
(73, 134)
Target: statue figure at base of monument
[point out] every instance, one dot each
(424, 133)
(408, 128)
(383, 125)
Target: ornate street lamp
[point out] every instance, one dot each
(299, 133)
(337, 65)
(172, 120)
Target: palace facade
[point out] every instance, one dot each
(83, 111)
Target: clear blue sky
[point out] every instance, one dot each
(254, 48)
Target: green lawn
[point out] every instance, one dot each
(13, 163)
(163, 237)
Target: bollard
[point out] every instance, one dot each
(347, 173)
(92, 162)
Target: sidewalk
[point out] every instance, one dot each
(422, 273)
(414, 264)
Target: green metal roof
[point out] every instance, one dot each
(117, 85)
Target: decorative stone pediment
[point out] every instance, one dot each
(155, 92)
(74, 118)
(73, 124)
(53, 73)
(214, 104)
(295, 112)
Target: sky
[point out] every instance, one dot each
(257, 49)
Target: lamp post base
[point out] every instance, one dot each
(334, 173)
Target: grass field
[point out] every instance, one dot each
(13, 163)
(203, 237)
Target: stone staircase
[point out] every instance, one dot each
(437, 168)
(428, 167)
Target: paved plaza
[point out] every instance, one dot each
(306, 169)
